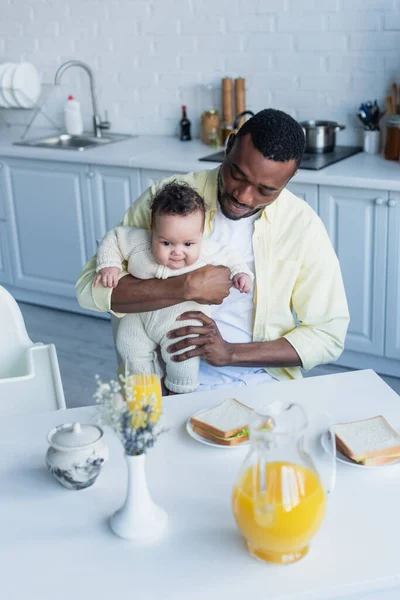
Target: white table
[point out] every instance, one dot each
(57, 543)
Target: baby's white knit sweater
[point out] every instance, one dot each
(133, 245)
(139, 335)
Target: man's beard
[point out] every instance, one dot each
(227, 198)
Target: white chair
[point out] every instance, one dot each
(30, 378)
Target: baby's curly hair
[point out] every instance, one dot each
(276, 135)
(177, 198)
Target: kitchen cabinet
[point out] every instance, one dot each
(357, 223)
(150, 176)
(48, 222)
(307, 192)
(392, 349)
(5, 269)
(112, 191)
(52, 214)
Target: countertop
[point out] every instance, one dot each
(170, 154)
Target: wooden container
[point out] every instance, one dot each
(240, 99)
(227, 101)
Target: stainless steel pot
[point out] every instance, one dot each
(320, 135)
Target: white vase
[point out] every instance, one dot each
(139, 519)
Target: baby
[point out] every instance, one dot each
(174, 246)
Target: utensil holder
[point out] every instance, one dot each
(371, 141)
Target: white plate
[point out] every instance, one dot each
(26, 85)
(343, 459)
(4, 103)
(199, 438)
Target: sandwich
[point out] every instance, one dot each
(369, 442)
(226, 424)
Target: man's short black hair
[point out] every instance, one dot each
(177, 198)
(276, 135)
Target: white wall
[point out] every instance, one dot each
(312, 58)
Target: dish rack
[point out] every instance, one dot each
(39, 109)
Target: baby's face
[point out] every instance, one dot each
(176, 240)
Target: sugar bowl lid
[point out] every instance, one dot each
(74, 436)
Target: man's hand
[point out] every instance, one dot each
(208, 285)
(209, 344)
(108, 277)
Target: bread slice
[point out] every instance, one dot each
(369, 440)
(233, 441)
(376, 462)
(223, 421)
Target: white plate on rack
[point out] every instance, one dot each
(325, 437)
(4, 103)
(26, 85)
(6, 85)
(199, 438)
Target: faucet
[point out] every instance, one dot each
(98, 124)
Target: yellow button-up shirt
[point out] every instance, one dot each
(296, 268)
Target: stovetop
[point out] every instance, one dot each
(313, 162)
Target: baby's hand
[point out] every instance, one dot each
(108, 277)
(242, 282)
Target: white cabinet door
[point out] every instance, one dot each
(356, 220)
(48, 208)
(112, 191)
(393, 280)
(305, 191)
(5, 268)
(150, 176)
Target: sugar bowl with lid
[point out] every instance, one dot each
(76, 454)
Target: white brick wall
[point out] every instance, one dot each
(312, 58)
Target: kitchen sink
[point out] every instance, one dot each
(73, 142)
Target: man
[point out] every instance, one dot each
(249, 339)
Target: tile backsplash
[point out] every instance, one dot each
(311, 58)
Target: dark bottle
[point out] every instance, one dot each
(184, 126)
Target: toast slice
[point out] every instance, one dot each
(233, 441)
(224, 420)
(369, 441)
(226, 424)
(376, 462)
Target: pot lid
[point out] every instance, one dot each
(314, 124)
(393, 121)
(74, 435)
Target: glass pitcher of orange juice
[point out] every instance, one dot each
(279, 499)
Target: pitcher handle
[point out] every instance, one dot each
(324, 462)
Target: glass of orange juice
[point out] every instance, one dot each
(279, 500)
(143, 391)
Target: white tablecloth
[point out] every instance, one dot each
(56, 543)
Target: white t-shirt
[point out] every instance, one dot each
(234, 317)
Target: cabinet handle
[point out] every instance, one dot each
(379, 201)
(91, 174)
(1, 166)
(392, 203)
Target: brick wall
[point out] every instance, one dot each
(311, 58)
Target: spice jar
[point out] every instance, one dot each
(209, 126)
(392, 147)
